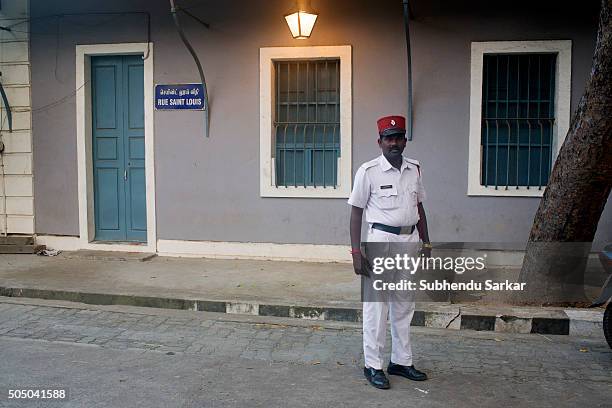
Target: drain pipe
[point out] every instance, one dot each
(409, 60)
(173, 10)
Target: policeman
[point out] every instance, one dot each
(390, 190)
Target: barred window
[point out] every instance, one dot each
(307, 122)
(518, 112)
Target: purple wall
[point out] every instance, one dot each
(208, 189)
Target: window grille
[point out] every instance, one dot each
(517, 119)
(307, 122)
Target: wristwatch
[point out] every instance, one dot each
(427, 245)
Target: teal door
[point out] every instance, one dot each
(118, 148)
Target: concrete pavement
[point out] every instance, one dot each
(317, 291)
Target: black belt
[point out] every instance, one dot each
(394, 230)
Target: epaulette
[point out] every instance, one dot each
(369, 164)
(416, 163)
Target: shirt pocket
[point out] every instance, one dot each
(387, 198)
(409, 195)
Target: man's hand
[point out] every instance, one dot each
(361, 265)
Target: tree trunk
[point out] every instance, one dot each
(578, 188)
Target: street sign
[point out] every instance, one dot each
(180, 96)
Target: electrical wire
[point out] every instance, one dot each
(105, 22)
(59, 101)
(90, 13)
(46, 16)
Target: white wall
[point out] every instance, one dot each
(16, 178)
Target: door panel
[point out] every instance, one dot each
(137, 200)
(136, 207)
(106, 148)
(118, 148)
(135, 81)
(105, 99)
(108, 188)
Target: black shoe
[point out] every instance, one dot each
(406, 371)
(376, 377)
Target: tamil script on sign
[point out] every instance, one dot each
(183, 96)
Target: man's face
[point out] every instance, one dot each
(392, 146)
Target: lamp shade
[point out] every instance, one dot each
(301, 21)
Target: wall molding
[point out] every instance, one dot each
(212, 249)
(263, 251)
(254, 250)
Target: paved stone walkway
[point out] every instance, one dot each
(192, 332)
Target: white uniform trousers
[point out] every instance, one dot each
(399, 308)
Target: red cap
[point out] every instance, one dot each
(390, 125)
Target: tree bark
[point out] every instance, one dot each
(578, 188)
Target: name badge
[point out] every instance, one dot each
(386, 187)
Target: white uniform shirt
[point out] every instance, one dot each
(388, 195)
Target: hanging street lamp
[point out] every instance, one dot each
(301, 19)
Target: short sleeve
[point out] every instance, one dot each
(361, 189)
(421, 195)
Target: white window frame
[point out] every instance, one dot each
(563, 72)
(267, 56)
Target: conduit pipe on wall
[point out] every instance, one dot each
(173, 11)
(9, 114)
(409, 61)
